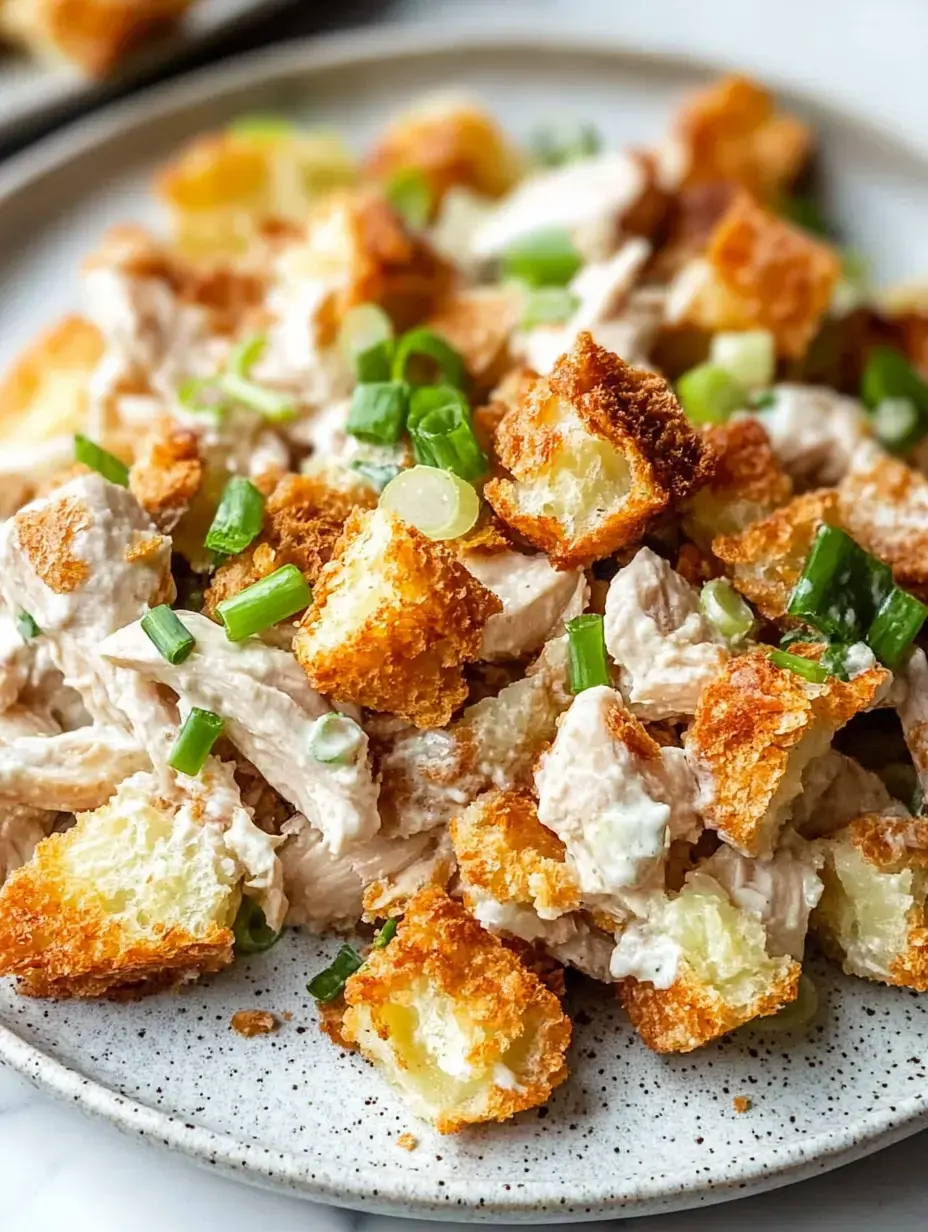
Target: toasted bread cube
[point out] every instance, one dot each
(167, 473)
(453, 144)
(733, 132)
(884, 506)
(394, 618)
(222, 189)
(134, 898)
(714, 973)
(454, 1020)
(758, 273)
(595, 450)
(503, 850)
(767, 558)
(873, 915)
(478, 322)
(749, 483)
(756, 728)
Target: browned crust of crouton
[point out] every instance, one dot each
(167, 473)
(732, 131)
(624, 727)
(636, 411)
(503, 849)
(768, 557)
(867, 498)
(249, 1023)
(438, 943)
(689, 1014)
(746, 466)
(405, 657)
(748, 722)
(58, 947)
(781, 278)
(535, 958)
(73, 346)
(478, 323)
(46, 536)
(303, 518)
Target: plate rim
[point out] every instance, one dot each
(311, 1176)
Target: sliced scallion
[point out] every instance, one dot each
(546, 258)
(710, 394)
(27, 626)
(897, 424)
(238, 519)
(565, 141)
(101, 460)
(244, 357)
(330, 983)
(834, 660)
(335, 739)
(441, 432)
(366, 340)
(841, 586)
(549, 306)
(895, 626)
(807, 668)
(251, 931)
(422, 343)
(385, 936)
(748, 357)
(266, 402)
(411, 195)
(166, 630)
(378, 475)
(889, 382)
(378, 412)
(437, 502)
(805, 212)
(281, 594)
(201, 730)
(587, 646)
(794, 1014)
(726, 610)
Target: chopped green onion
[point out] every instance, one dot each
(166, 630)
(709, 394)
(251, 931)
(378, 412)
(190, 394)
(411, 195)
(724, 608)
(366, 340)
(889, 375)
(244, 357)
(897, 424)
(441, 432)
(100, 460)
(806, 213)
(264, 125)
(437, 502)
(766, 400)
(800, 634)
(386, 935)
(425, 343)
(549, 306)
(238, 518)
(834, 660)
(841, 587)
(807, 668)
(565, 141)
(378, 475)
(749, 357)
(201, 730)
(895, 626)
(795, 1014)
(281, 594)
(587, 646)
(267, 402)
(26, 624)
(335, 738)
(545, 258)
(330, 983)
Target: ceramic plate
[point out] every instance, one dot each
(631, 1131)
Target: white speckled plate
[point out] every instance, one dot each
(630, 1132)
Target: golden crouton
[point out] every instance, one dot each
(455, 1021)
(766, 559)
(478, 322)
(732, 131)
(503, 850)
(873, 915)
(303, 518)
(93, 35)
(758, 273)
(748, 483)
(133, 898)
(595, 450)
(223, 189)
(44, 394)
(724, 976)
(166, 473)
(453, 144)
(757, 726)
(884, 506)
(394, 618)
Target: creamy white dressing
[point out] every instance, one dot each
(645, 953)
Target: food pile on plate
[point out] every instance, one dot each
(510, 558)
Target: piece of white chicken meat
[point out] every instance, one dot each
(814, 432)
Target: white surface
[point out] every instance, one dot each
(59, 1170)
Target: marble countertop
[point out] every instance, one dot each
(59, 1169)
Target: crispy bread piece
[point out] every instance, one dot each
(94, 35)
(454, 1020)
(133, 898)
(595, 451)
(748, 483)
(883, 504)
(504, 851)
(873, 916)
(167, 473)
(453, 144)
(766, 559)
(478, 323)
(733, 132)
(756, 728)
(758, 273)
(394, 618)
(723, 975)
